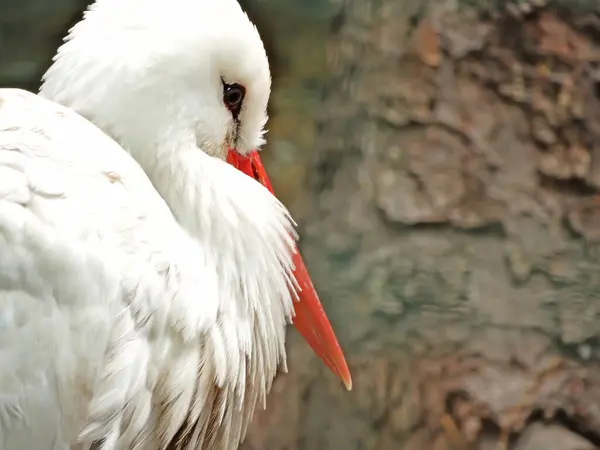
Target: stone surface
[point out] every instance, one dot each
(453, 231)
(543, 437)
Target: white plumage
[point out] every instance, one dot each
(144, 292)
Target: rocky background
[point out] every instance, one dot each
(443, 159)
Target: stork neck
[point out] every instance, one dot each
(170, 172)
(242, 230)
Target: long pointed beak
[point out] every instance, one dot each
(310, 318)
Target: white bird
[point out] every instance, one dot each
(145, 279)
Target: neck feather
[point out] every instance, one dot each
(247, 235)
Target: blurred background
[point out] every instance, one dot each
(443, 160)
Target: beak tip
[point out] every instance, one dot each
(348, 383)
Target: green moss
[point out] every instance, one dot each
(574, 6)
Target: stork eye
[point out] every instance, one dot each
(233, 96)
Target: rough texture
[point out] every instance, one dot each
(454, 233)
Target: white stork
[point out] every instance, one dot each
(145, 282)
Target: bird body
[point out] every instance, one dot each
(79, 216)
(145, 282)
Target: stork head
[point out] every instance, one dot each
(204, 63)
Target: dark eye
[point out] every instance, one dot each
(233, 96)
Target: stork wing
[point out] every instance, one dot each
(102, 310)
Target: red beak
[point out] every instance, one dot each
(310, 319)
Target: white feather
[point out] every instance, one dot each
(143, 300)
